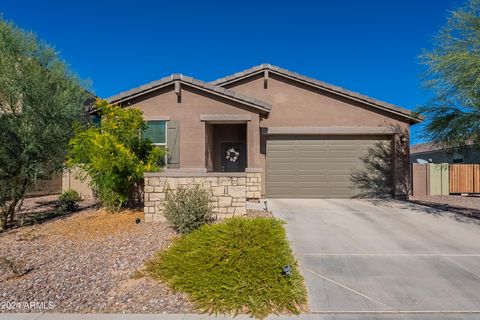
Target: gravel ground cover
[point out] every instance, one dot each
(466, 205)
(252, 213)
(39, 209)
(83, 263)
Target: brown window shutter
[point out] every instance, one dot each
(173, 144)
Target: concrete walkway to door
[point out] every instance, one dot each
(384, 257)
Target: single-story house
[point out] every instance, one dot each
(435, 153)
(268, 132)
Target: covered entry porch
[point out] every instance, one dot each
(225, 147)
(232, 143)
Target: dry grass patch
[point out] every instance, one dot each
(96, 223)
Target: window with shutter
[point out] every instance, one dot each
(157, 132)
(173, 144)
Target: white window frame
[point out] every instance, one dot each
(166, 136)
(166, 131)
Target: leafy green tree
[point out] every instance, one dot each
(40, 100)
(114, 155)
(453, 114)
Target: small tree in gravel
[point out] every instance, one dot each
(40, 100)
(187, 209)
(114, 155)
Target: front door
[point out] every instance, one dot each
(233, 157)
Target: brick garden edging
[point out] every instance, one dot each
(229, 190)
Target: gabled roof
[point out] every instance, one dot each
(194, 83)
(424, 147)
(412, 116)
(432, 147)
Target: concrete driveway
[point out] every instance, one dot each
(365, 257)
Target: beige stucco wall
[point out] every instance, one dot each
(293, 105)
(71, 181)
(299, 105)
(209, 147)
(46, 187)
(194, 103)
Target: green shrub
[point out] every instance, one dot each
(69, 199)
(234, 267)
(114, 155)
(187, 209)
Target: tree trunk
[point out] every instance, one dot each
(11, 211)
(7, 215)
(3, 220)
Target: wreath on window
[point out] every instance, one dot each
(232, 155)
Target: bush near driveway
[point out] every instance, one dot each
(234, 267)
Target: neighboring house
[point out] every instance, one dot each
(429, 152)
(303, 138)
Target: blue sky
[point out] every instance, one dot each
(368, 46)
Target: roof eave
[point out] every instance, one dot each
(411, 116)
(197, 84)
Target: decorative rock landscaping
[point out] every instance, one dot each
(86, 263)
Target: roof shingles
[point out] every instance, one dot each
(317, 83)
(264, 106)
(216, 87)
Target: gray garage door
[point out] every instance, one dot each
(327, 166)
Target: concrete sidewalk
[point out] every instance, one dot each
(356, 316)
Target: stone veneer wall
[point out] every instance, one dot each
(229, 191)
(254, 184)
